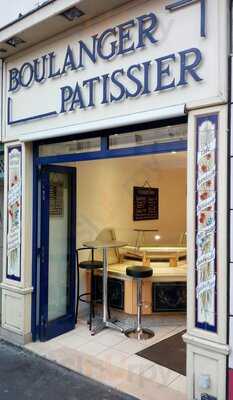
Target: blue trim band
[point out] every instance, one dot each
(10, 121)
(183, 3)
(178, 4)
(206, 327)
(34, 326)
(203, 18)
(118, 153)
(13, 277)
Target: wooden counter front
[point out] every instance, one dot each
(162, 272)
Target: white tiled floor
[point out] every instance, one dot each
(111, 358)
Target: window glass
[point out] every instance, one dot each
(147, 137)
(71, 147)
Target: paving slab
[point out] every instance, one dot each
(24, 376)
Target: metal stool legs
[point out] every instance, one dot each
(139, 305)
(92, 301)
(139, 333)
(92, 307)
(77, 296)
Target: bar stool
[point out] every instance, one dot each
(90, 265)
(139, 272)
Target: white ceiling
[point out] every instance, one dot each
(164, 161)
(169, 160)
(46, 22)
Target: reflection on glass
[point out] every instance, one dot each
(58, 294)
(70, 147)
(147, 137)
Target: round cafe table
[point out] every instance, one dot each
(105, 245)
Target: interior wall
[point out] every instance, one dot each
(105, 197)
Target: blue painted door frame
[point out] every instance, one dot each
(103, 153)
(50, 329)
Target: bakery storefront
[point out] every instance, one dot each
(115, 138)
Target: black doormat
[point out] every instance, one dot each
(170, 353)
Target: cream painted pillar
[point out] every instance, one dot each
(16, 284)
(207, 350)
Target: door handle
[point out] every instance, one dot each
(44, 323)
(42, 254)
(43, 194)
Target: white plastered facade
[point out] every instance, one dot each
(206, 352)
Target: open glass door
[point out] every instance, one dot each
(58, 242)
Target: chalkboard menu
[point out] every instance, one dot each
(145, 203)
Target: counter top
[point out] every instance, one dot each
(162, 272)
(155, 253)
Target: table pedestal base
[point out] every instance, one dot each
(105, 325)
(105, 246)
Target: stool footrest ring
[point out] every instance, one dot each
(96, 301)
(142, 334)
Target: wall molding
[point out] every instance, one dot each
(206, 344)
(15, 338)
(16, 289)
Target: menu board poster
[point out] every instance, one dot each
(14, 213)
(145, 203)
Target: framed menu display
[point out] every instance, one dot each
(145, 203)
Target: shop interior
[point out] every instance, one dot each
(105, 210)
(141, 202)
(106, 200)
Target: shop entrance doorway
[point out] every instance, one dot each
(57, 251)
(55, 223)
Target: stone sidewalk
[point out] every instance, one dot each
(25, 376)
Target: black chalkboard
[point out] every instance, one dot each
(145, 203)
